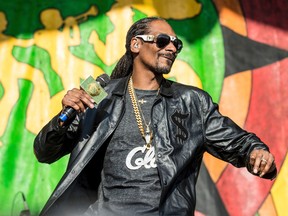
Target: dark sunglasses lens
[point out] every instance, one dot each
(162, 40)
(178, 44)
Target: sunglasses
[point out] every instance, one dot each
(162, 40)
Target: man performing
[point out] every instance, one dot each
(139, 152)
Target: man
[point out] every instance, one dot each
(132, 155)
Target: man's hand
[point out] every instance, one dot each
(262, 162)
(78, 99)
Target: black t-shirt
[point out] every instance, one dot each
(130, 182)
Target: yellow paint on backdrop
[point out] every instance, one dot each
(235, 96)
(57, 43)
(279, 190)
(112, 51)
(184, 74)
(40, 98)
(267, 208)
(125, 5)
(176, 9)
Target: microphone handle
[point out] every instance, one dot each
(68, 113)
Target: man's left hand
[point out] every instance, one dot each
(262, 162)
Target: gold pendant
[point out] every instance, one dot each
(148, 138)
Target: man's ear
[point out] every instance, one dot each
(134, 45)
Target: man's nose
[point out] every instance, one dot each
(171, 47)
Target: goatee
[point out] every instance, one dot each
(163, 70)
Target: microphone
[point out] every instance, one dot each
(92, 87)
(26, 211)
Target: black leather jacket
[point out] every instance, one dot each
(186, 123)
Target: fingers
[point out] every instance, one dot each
(78, 100)
(262, 162)
(269, 167)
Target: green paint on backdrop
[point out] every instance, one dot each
(86, 51)
(138, 15)
(19, 170)
(203, 47)
(15, 132)
(1, 91)
(39, 58)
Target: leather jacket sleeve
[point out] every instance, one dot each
(54, 141)
(227, 141)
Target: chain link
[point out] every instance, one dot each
(135, 107)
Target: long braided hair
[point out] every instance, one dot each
(125, 65)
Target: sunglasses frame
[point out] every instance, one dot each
(151, 38)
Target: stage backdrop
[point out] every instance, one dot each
(234, 49)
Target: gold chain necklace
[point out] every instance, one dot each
(147, 134)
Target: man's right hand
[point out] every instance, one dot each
(77, 99)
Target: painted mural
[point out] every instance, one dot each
(234, 49)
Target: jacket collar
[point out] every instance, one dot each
(121, 86)
(165, 87)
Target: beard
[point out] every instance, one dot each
(160, 68)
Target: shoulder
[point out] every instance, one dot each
(191, 96)
(180, 89)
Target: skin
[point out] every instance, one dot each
(150, 62)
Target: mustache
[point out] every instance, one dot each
(170, 56)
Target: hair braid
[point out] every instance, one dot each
(125, 65)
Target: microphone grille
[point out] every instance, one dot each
(103, 79)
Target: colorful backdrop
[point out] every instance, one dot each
(234, 49)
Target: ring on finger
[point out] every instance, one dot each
(264, 160)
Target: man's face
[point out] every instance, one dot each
(158, 60)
